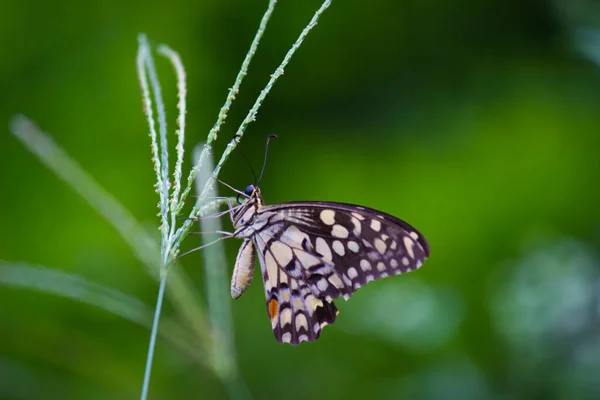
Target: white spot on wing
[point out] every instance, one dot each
(405, 261)
(353, 246)
(323, 249)
(281, 252)
(375, 225)
(336, 281)
(380, 266)
(322, 284)
(285, 294)
(357, 226)
(365, 265)
(297, 303)
(347, 282)
(293, 237)
(338, 247)
(358, 216)
(393, 263)
(285, 317)
(414, 235)
(312, 302)
(301, 322)
(380, 246)
(286, 337)
(352, 273)
(328, 217)
(339, 231)
(306, 259)
(408, 243)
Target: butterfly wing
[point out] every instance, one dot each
(296, 314)
(315, 252)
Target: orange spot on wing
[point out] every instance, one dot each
(273, 308)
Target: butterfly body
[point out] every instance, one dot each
(313, 252)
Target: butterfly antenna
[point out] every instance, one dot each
(247, 161)
(271, 136)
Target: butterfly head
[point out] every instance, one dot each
(248, 208)
(252, 194)
(250, 190)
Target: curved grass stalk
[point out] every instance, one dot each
(77, 288)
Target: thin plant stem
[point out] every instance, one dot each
(152, 345)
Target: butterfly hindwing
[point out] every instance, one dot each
(296, 314)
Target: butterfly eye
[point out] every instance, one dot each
(249, 190)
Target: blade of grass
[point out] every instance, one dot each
(74, 287)
(173, 56)
(218, 299)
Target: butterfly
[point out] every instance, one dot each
(313, 252)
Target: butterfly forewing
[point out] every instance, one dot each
(314, 252)
(354, 244)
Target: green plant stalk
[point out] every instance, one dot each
(145, 66)
(153, 333)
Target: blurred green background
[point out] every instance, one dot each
(477, 122)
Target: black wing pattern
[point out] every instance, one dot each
(311, 253)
